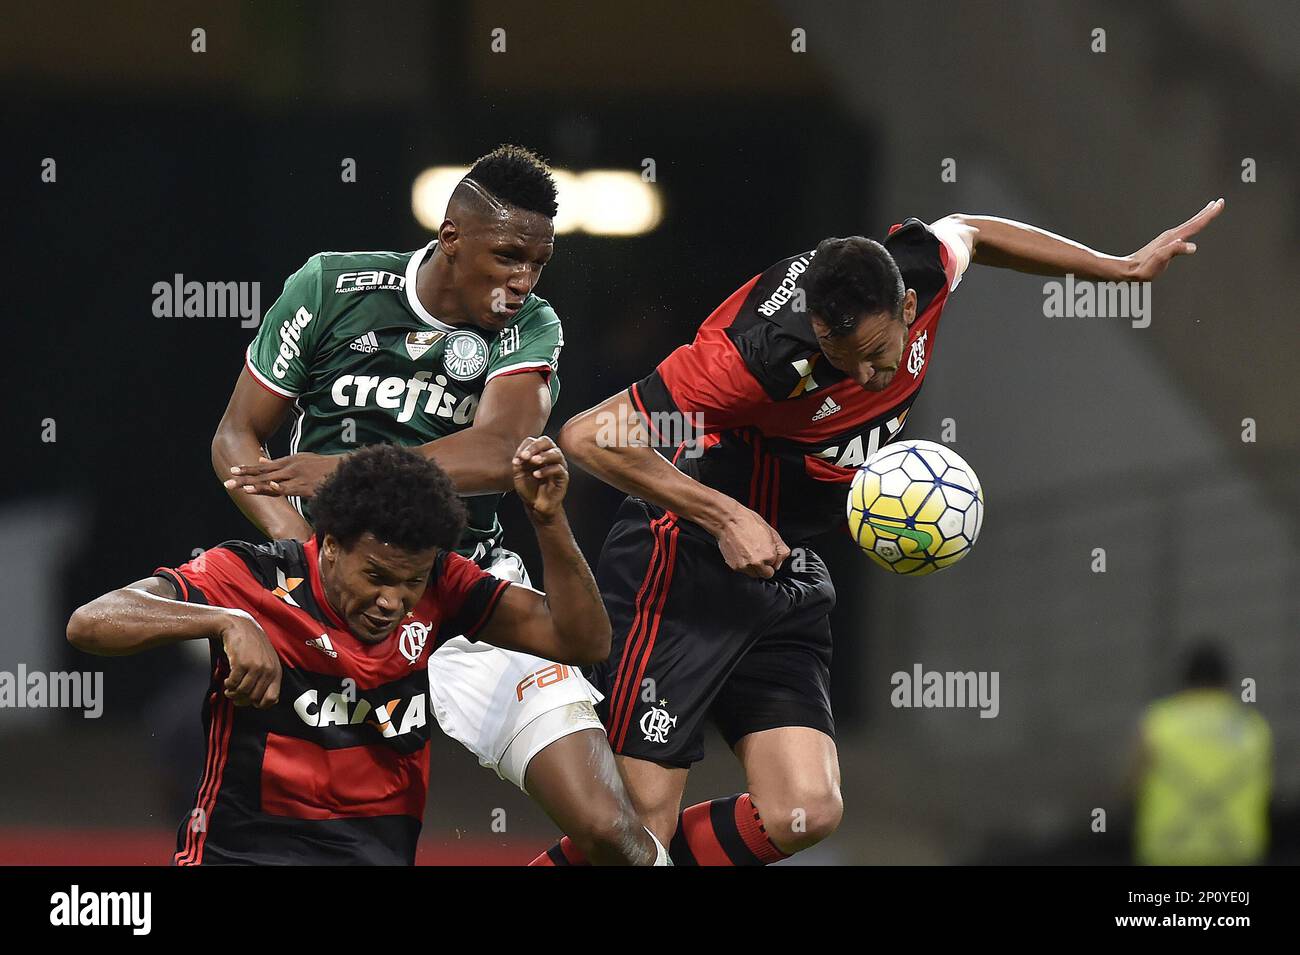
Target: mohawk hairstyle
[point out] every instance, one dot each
(518, 177)
(850, 278)
(401, 497)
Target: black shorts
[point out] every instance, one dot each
(695, 639)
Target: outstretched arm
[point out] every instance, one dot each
(477, 459)
(1005, 244)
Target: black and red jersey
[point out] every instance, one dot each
(771, 423)
(337, 771)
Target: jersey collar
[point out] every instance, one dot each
(413, 300)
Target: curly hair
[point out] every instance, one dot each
(850, 278)
(518, 177)
(402, 498)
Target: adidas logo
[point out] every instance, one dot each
(367, 343)
(828, 408)
(322, 643)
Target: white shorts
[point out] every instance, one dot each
(485, 697)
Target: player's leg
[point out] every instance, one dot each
(656, 792)
(774, 710)
(576, 781)
(794, 783)
(533, 723)
(793, 802)
(656, 796)
(677, 634)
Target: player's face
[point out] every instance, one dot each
(872, 352)
(499, 261)
(373, 585)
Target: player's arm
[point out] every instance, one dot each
(479, 459)
(252, 417)
(568, 623)
(1006, 244)
(629, 463)
(476, 459)
(277, 369)
(145, 614)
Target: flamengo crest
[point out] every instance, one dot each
(411, 643)
(916, 358)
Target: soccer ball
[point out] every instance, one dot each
(915, 507)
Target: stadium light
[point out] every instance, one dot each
(430, 192)
(617, 202)
(599, 201)
(568, 195)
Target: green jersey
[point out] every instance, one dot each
(365, 362)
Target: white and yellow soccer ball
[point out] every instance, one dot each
(915, 507)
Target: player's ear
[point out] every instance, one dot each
(448, 238)
(329, 548)
(909, 307)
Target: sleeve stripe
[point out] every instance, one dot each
(186, 591)
(522, 366)
(487, 611)
(262, 379)
(634, 392)
(176, 580)
(544, 372)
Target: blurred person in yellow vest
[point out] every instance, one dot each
(1204, 772)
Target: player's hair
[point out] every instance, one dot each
(1206, 665)
(401, 497)
(518, 177)
(850, 278)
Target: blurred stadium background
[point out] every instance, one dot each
(1087, 433)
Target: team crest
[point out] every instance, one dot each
(411, 643)
(656, 723)
(916, 358)
(417, 343)
(466, 355)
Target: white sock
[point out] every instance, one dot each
(661, 854)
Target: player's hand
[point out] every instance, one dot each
(750, 545)
(299, 475)
(541, 477)
(1154, 257)
(255, 673)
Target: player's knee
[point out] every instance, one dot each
(803, 819)
(609, 837)
(662, 822)
(825, 816)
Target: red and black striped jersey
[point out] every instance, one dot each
(337, 771)
(759, 414)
